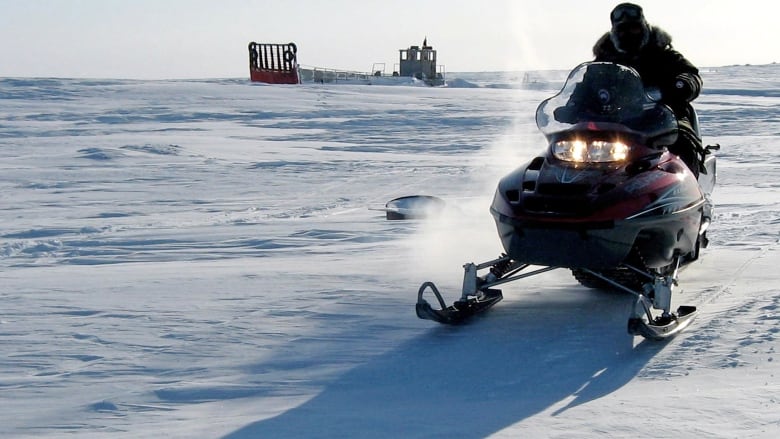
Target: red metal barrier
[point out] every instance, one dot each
(273, 63)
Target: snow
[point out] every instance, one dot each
(191, 258)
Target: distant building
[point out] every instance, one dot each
(420, 63)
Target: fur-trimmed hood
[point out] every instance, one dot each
(659, 40)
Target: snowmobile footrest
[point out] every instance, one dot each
(663, 327)
(459, 311)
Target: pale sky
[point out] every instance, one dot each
(157, 39)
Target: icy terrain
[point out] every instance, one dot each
(199, 259)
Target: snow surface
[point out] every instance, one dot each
(198, 259)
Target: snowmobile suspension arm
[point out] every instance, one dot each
(641, 299)
(473, 284)
(613, 283)
(516, 277)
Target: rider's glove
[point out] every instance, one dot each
(685, 88)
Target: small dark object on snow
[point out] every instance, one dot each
(413, 207)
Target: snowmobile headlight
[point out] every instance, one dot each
(595, 151)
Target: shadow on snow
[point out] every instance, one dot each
(474, 380)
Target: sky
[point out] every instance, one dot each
(164, 39)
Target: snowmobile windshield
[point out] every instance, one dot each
(605, 97)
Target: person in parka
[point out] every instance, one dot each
(648, 49)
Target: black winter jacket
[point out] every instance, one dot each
(659, 65)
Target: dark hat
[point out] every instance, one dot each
(630, 31)
(626, 12)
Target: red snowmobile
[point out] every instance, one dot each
(605, 200)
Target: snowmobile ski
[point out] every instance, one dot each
(477, 294)
(459, 311)
(663, 327)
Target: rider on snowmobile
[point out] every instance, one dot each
(647, 49)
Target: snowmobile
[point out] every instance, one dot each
(605, 200)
